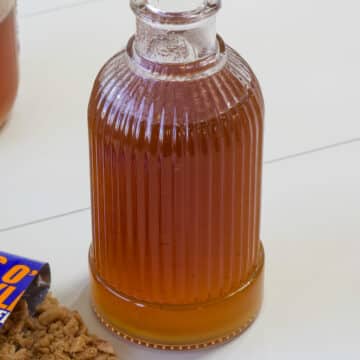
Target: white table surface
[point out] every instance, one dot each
(307, 57)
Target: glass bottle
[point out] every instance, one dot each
(8, 58)
(176, 134)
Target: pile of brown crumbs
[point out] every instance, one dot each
(54, 333)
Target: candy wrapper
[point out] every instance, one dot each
(21, 278)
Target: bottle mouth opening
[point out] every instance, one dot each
(152, 11)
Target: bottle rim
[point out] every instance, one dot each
(150, 13)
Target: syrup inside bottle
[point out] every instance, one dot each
(8, 60)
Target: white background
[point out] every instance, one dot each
(306, 55)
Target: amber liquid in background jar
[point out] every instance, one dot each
(176, 132)
(8, 58)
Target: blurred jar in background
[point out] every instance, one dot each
(8, 58)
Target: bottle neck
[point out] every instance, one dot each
(176, 43)
(176, 39)
(5, 7)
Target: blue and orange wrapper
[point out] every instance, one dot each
(21, 278)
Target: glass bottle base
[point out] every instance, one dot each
(179, 327)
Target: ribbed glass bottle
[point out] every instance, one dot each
(176, 132)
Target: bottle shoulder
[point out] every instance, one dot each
(120, 90)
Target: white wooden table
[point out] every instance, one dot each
(307, 57)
